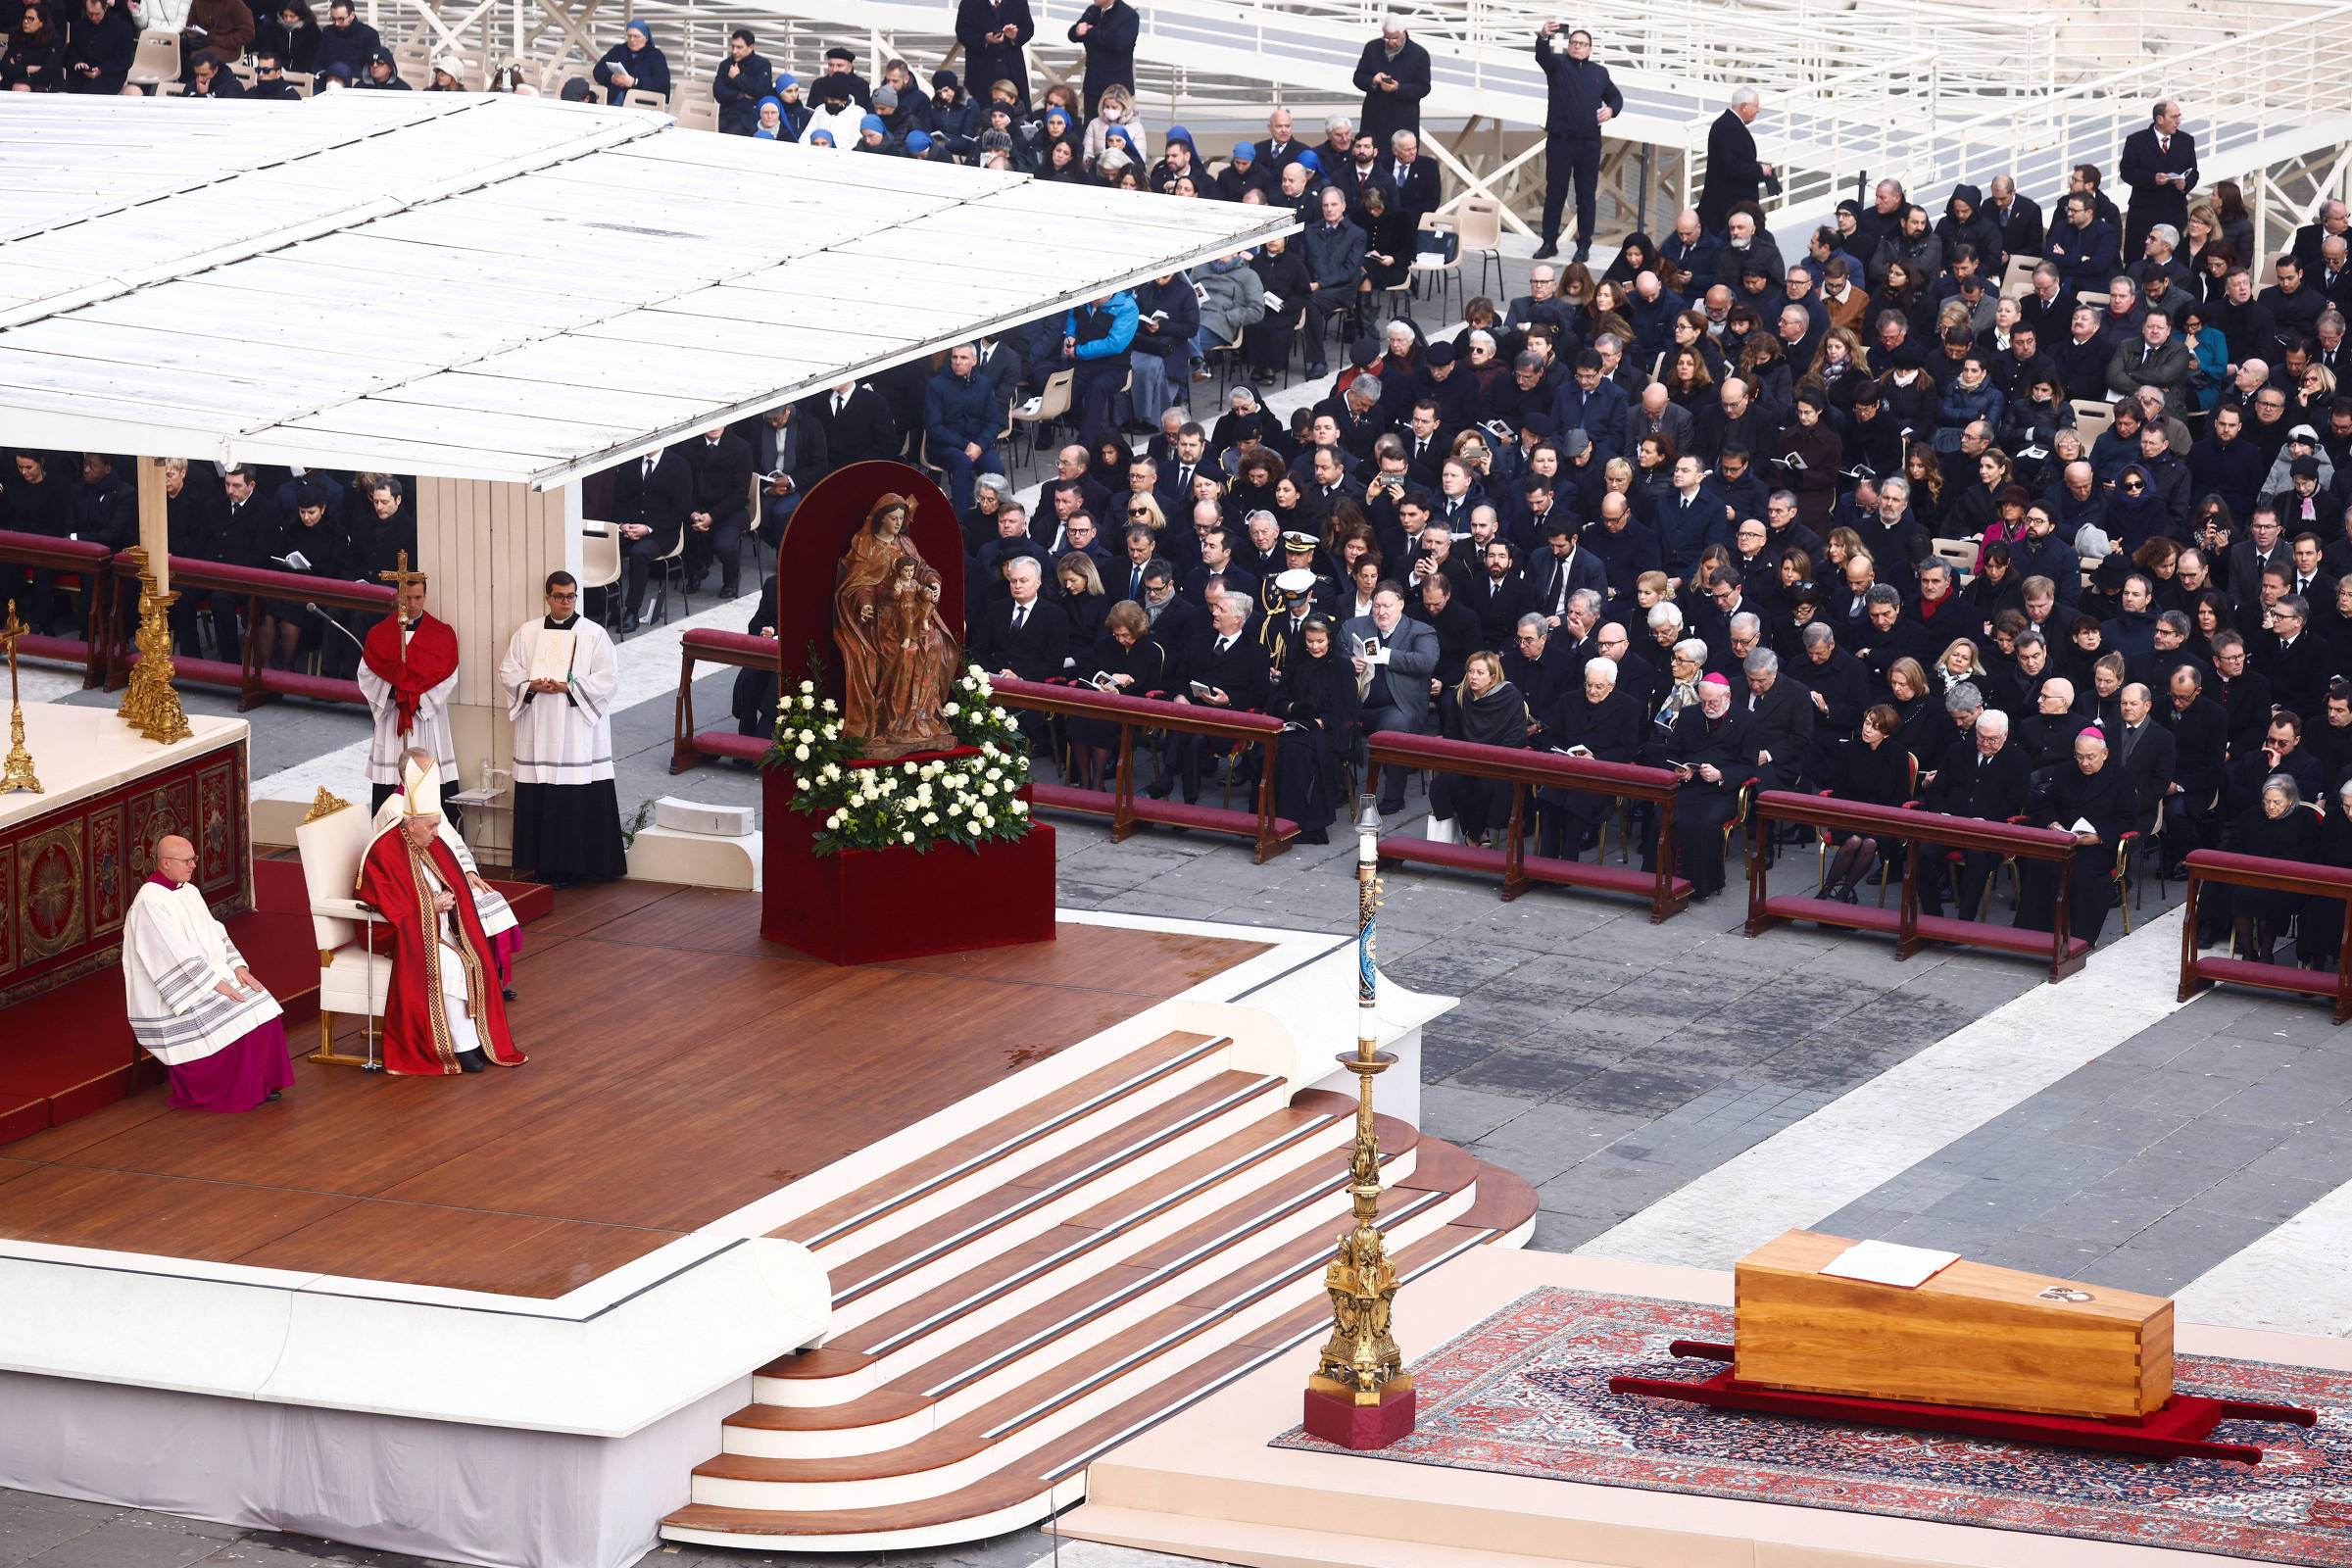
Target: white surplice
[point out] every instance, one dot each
(562, 738)
(174, 953)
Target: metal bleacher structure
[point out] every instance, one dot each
(1854, 90)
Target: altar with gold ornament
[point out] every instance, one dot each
(72, 855)
(85, 794)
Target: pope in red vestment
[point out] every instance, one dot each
(443, 1013)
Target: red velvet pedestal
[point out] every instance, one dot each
(866, 905)
(1343, 1421)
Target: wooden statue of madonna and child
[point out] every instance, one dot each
(898, 656)
(894, 621)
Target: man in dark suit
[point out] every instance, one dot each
(722, 508)
(1412, 177)
(1734, 175)
(1024, 636)
(1106, 31)
(857, 424)
(1556, 572)
(651, 497)
(1581, 99)
(2160, 165)
(1496, 593)
(789, 455)
(2200, 748)
(1230, 668)
(1780, 713)
(2143, 749)
(1979, 775)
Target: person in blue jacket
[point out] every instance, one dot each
(1098, 338)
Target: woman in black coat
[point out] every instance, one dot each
(1487, 711)
(325, 551)
(2277, 827)
(1281, 273)
(1317, 705)
(1389, 233)
(1083, 600)
(1127, 660)
(1876, 770)
(292, 29)
(36, 61)
(2321, 931)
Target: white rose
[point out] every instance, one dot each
(987, 790)
(807, 687)
(907, 838)
(828, 707)
(954, 808)
(930, 820)
(1019, 807)
(949, 710)
(800, 754)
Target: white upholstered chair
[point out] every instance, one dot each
(355, 956)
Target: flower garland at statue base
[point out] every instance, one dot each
(915, 805)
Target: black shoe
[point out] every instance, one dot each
(506, 991)
(1546, 250)
(1317, 369)
(1318, 836)
(1160, 788)
(629, 623)
(1395, 808)
(471, 1060)
(276, 1094)
(1584, 253)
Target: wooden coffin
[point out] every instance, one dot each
(1971, 1335)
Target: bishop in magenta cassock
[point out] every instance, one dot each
(443, 1014)
(193, 1004)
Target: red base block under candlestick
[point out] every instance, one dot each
(1341, 1420)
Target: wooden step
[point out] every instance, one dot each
(1086, 1309)
(1027, 1192)
(1052, 1476)
(1000, 1140)
(1233, 1159)
(1173, 1330)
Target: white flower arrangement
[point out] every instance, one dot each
(966, 799)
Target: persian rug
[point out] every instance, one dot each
(1526, 1394)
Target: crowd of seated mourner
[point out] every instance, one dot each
(1866, 510)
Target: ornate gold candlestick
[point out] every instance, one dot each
(149, 702)
(18, 773)
(1360, 1395)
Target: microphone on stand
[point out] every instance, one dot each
(338, 625)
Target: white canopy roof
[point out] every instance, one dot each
(491, 287)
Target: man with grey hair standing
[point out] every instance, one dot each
(1735, 172)
(1393, 74)
(2160, 165)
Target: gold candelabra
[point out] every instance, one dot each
(1359, 1394)
(149, 702)
(18, 773)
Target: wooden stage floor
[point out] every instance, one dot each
(681, 1067)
